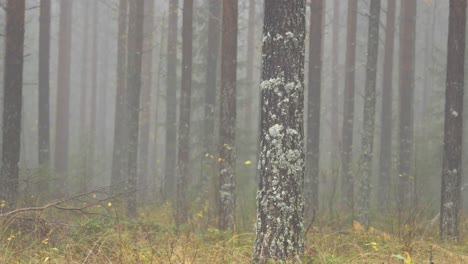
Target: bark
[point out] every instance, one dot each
(385, 158)
(183, 147)
(63, 88)
(453, 131)
(369, 114)
(119, 159)
(44, 74)
(227, 128)
(347, 180)
(147, 80)
(94, 84)
(12, 100)
(311, 184)
(250, 66)
(334, 90)
(171, 101)
(406, 189)
(280, 202)
(134, 80)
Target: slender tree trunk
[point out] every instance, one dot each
(280, 203)
(94, 84)
(365, 165)
(63, 88)
(385, 160)
(44, 69)
(334, 155)
(134, 80)
(347, 183)
(250, 66)
(119, 159)
(183, 157)
(147, 81)
(171, 101)
(406, 194)
(453, 132)
(12, 100)
(311, 183)
(227, 128)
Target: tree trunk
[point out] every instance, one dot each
(63, 89)
(406, 188)
(250, 66)
(369, 114)
(94, 87)
(311, 183)
(347, 180)
(453, 132)
(335, 139)
(171, 101)
(280, 203)
(385, 160)
(134, 80)
(12, 100)
(227, 128)
(119, 159)
(183, 157)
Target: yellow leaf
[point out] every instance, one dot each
(109, 204)
(220, 159)
(94, 195)
(247, 162)
(207, 155)
(46, 259)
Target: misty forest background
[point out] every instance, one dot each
(140, 121)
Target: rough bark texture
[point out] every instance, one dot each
(280, 204)
(227, 128)
(406, 189)
(171, 101)
(385, 158)
(63, 88)
(44, 69)
(311, 183)
(347, 180)
(134, 80)
(147, 80)
(365, 163)
(119, 159)
(183, 149)
(12, 100)
(453, 132)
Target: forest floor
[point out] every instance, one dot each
(102, 236)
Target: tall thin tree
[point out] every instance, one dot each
(280, 202)
(94, 89)
(450, 203)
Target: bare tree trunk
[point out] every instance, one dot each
(365, 163)
(385, 159)
(227, 128)
(171, 101)
(280, 202)
(335, 138)
(250, 66)
(94, 87)
(347, 180)
(12, 100)
(183, 157)
(63, 89)
(119, 159)
(311, 182)
(134, 80)
(453, 133)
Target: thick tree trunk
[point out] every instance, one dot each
(119, 159)
(12, 100)
(183, 148)
(347, 180)
(280, 203)
(134, 80)
(171, 101)
(227, 128)
(385, 158)
(453, 132)
(365, 163)
(311, 182)
(63, 88)
(44, 70)
(406, 189)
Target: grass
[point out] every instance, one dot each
(104, 236)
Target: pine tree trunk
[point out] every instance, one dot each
(250, 67)
(335, 139)
(311, 182)
(453, 132)
(94, 88)
(12, 100)
(227, 128)
(280, 202)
